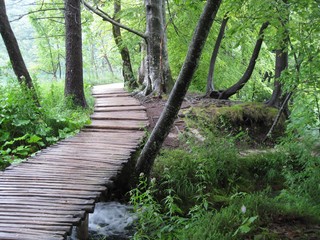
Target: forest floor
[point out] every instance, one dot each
(155, 105)
(285, 228)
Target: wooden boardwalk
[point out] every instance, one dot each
(44, 197)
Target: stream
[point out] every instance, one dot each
(110, 220)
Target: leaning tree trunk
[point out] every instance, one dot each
(281, 64)
(12, 46)
(166, 120)
(74, 64)
(246, 76)
(127, 72)
(210, 79)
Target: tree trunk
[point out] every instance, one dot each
(164, 124)
(74, 64)
(210, 79)
(105, 56)
(154, 32)
(127, 72)
(281, 64)
(14, 53)
(246, 76)
(166, 71)
(277, 97)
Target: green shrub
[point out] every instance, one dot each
(25, 127)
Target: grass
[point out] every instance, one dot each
(207, 190)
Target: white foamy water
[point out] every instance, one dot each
(110, 219)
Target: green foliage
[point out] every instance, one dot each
(207, 190)
(248, 122)
(25, 128)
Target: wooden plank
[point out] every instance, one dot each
(64, 186)
(57, 174)
(111, 95)
(61, 228)
(77, 162)
(54, 178)
(43, 210)
(116, 160)
(85, 153)
(39, 220)
(82, 146)
(123, 101)
(133, 115)
(4, 234)
(118, 124)
(52, 191)
(118, 108)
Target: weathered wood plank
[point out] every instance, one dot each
(118, 108)
(118, 124)
(43, 197)
(60, 228)
(28, 236)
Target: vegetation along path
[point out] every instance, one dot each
(43, 197)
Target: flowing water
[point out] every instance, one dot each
(110, 220)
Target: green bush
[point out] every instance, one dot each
(207, 190)
(25, 127)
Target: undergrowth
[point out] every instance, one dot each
(207, 190)
(25, 127)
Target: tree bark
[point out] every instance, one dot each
(281, 61)
(281, 64)
(158, 76)
(210, 79)
(74, 64)
(154, 32)
(105, 56)
(166, 71)
(246, 76)
(166, 120)
(13, 49)
(127, 72)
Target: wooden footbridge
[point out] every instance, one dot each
(45, 196)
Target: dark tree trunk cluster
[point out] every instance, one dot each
(166, 120)
(226, 94)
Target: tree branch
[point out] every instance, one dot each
(35, 11)
(107, 18)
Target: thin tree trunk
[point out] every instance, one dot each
(143, 64)
(246, 76)
(210, 79)
(105, 56)
(127, 72)
(281, 60)
(74, 64)
(277, 118)
(13, 49)
(164, 124)
(281, 64)
(166, 71)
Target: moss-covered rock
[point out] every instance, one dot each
(254, 119)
